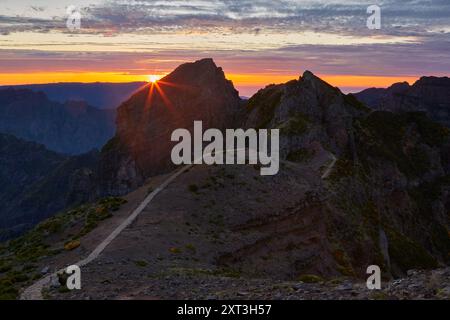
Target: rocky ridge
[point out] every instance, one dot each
(430, 95)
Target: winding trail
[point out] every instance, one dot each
(330, 167)
(34, 292)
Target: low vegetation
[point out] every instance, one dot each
(295, 125)
(19, 257)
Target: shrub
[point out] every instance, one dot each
(175, 250)
(71, 245)
(310, 278)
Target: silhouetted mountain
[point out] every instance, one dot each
(429, 94)
(72, 127)
(145, 122)
(99, 95)
(37, 183)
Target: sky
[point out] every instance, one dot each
(256, 42)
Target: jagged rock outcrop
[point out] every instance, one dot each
(72, 127)
(389, 190)
(306, 111)
(429, 94)
(145, 122)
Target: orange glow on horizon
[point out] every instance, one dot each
(53, 77)
(239, 80)
(263, 80)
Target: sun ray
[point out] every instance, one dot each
(164, 97)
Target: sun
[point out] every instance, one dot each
(153, 78)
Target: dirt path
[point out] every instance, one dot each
(330, 167)
(34, 292)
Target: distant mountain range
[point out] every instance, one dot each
(98, 94)
(429, 94)
(72, 127)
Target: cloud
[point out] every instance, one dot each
(244, 36)
(411, 17)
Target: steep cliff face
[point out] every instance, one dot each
(429, 94)
(141, 147)
(388, 193)
(307, 111)
(71, 127)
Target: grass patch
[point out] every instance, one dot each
(175, 250)
(310, 278)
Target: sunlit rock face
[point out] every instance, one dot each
(142, 145)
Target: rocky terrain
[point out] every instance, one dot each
(418, 285)
(72, 127)
(429, 94)
(356, 187)
(391, 183)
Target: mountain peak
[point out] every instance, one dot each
(193, 91)
(433, 81)
(308, 75)
(201, 72)
(399, 87)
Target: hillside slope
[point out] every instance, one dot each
(37, 183)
